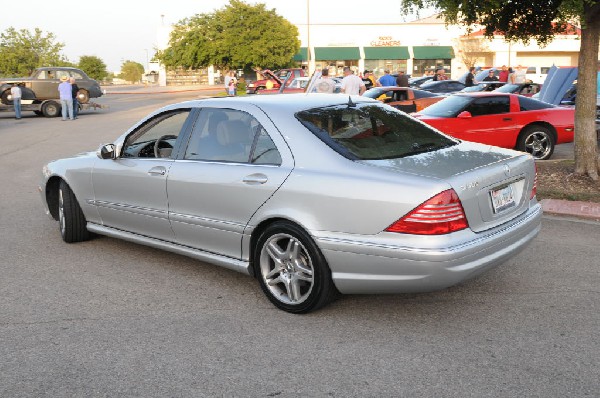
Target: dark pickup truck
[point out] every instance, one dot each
(43, 85)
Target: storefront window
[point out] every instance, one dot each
(379, 65)
(336, 68)
(420, 66)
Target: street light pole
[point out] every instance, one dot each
(308, 34)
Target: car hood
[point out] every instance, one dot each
(267, 74)
(557, 82)
(448, 162)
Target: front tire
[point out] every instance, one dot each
(538, 141)
(51, 109)
(292, 271)
(70, 216)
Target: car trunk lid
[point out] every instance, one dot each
(494, 185)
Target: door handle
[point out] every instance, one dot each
(157, 171)
(255, 179)
(506, 119)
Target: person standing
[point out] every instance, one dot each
(226, 80)
(402, 79)
(386, 80)
(75, 91)
(440, 75)
(352, 84)
(491, 77)
(369, 75)
(519, 75)
(470, 79)
(232, 85)
(503, 76)
(66, 98)
(16, 93)
(325, 84)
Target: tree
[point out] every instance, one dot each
(471, 49)
(93, 66)
(131, 71)
(21, 51)
(239, 35)
(524, 20)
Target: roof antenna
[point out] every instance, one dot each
(350, 103)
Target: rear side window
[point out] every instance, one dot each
(371, 132)
(489, 106)
(530, 104)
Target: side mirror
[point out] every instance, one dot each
(464, 115)
(106, 151)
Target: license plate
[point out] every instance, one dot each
(503, 198)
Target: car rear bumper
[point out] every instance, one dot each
(376, 266)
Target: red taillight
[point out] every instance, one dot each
(534, 189)
(439, 215)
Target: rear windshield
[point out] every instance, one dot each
(372, 132)
(530, 104)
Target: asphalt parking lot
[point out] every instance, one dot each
(110, 318)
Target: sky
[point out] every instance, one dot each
(116, 31)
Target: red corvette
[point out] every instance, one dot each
(504, 120)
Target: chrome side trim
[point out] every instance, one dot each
(206, 222)
(222, 261)
(129, 208)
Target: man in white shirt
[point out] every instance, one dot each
(325, 84)
(352, 84)
(519, 75)
(15, 92)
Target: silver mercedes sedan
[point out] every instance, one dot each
(314, 195)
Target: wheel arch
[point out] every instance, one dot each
(257, 232)
(51, 194)
(538, 123)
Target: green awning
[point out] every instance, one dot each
(336, 53)
(433, 52)
(302, 55)
(386, 53)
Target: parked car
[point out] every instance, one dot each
(273, 80)
(526, 89)
(505, 120)
(312, 194)
(43, 83)
(442, 86)
(406, 99)
(482, 87)
(298, 85)
(416, 82)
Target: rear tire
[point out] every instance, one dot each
(537, 141)
(4, 97)
(71, 220)
(83, 96)
(291, 270)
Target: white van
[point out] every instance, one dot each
(537, 74)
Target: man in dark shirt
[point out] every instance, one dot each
(491, 77)
(470, 79)
(402, 79)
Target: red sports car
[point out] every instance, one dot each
(504, 120)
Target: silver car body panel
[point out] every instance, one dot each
(210, 210)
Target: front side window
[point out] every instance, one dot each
(156, 137)
(228, 135)
(371, 132)
(448, 107)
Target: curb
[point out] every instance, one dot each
(585, 210)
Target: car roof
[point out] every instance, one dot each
(289, 103)
(485, 94)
